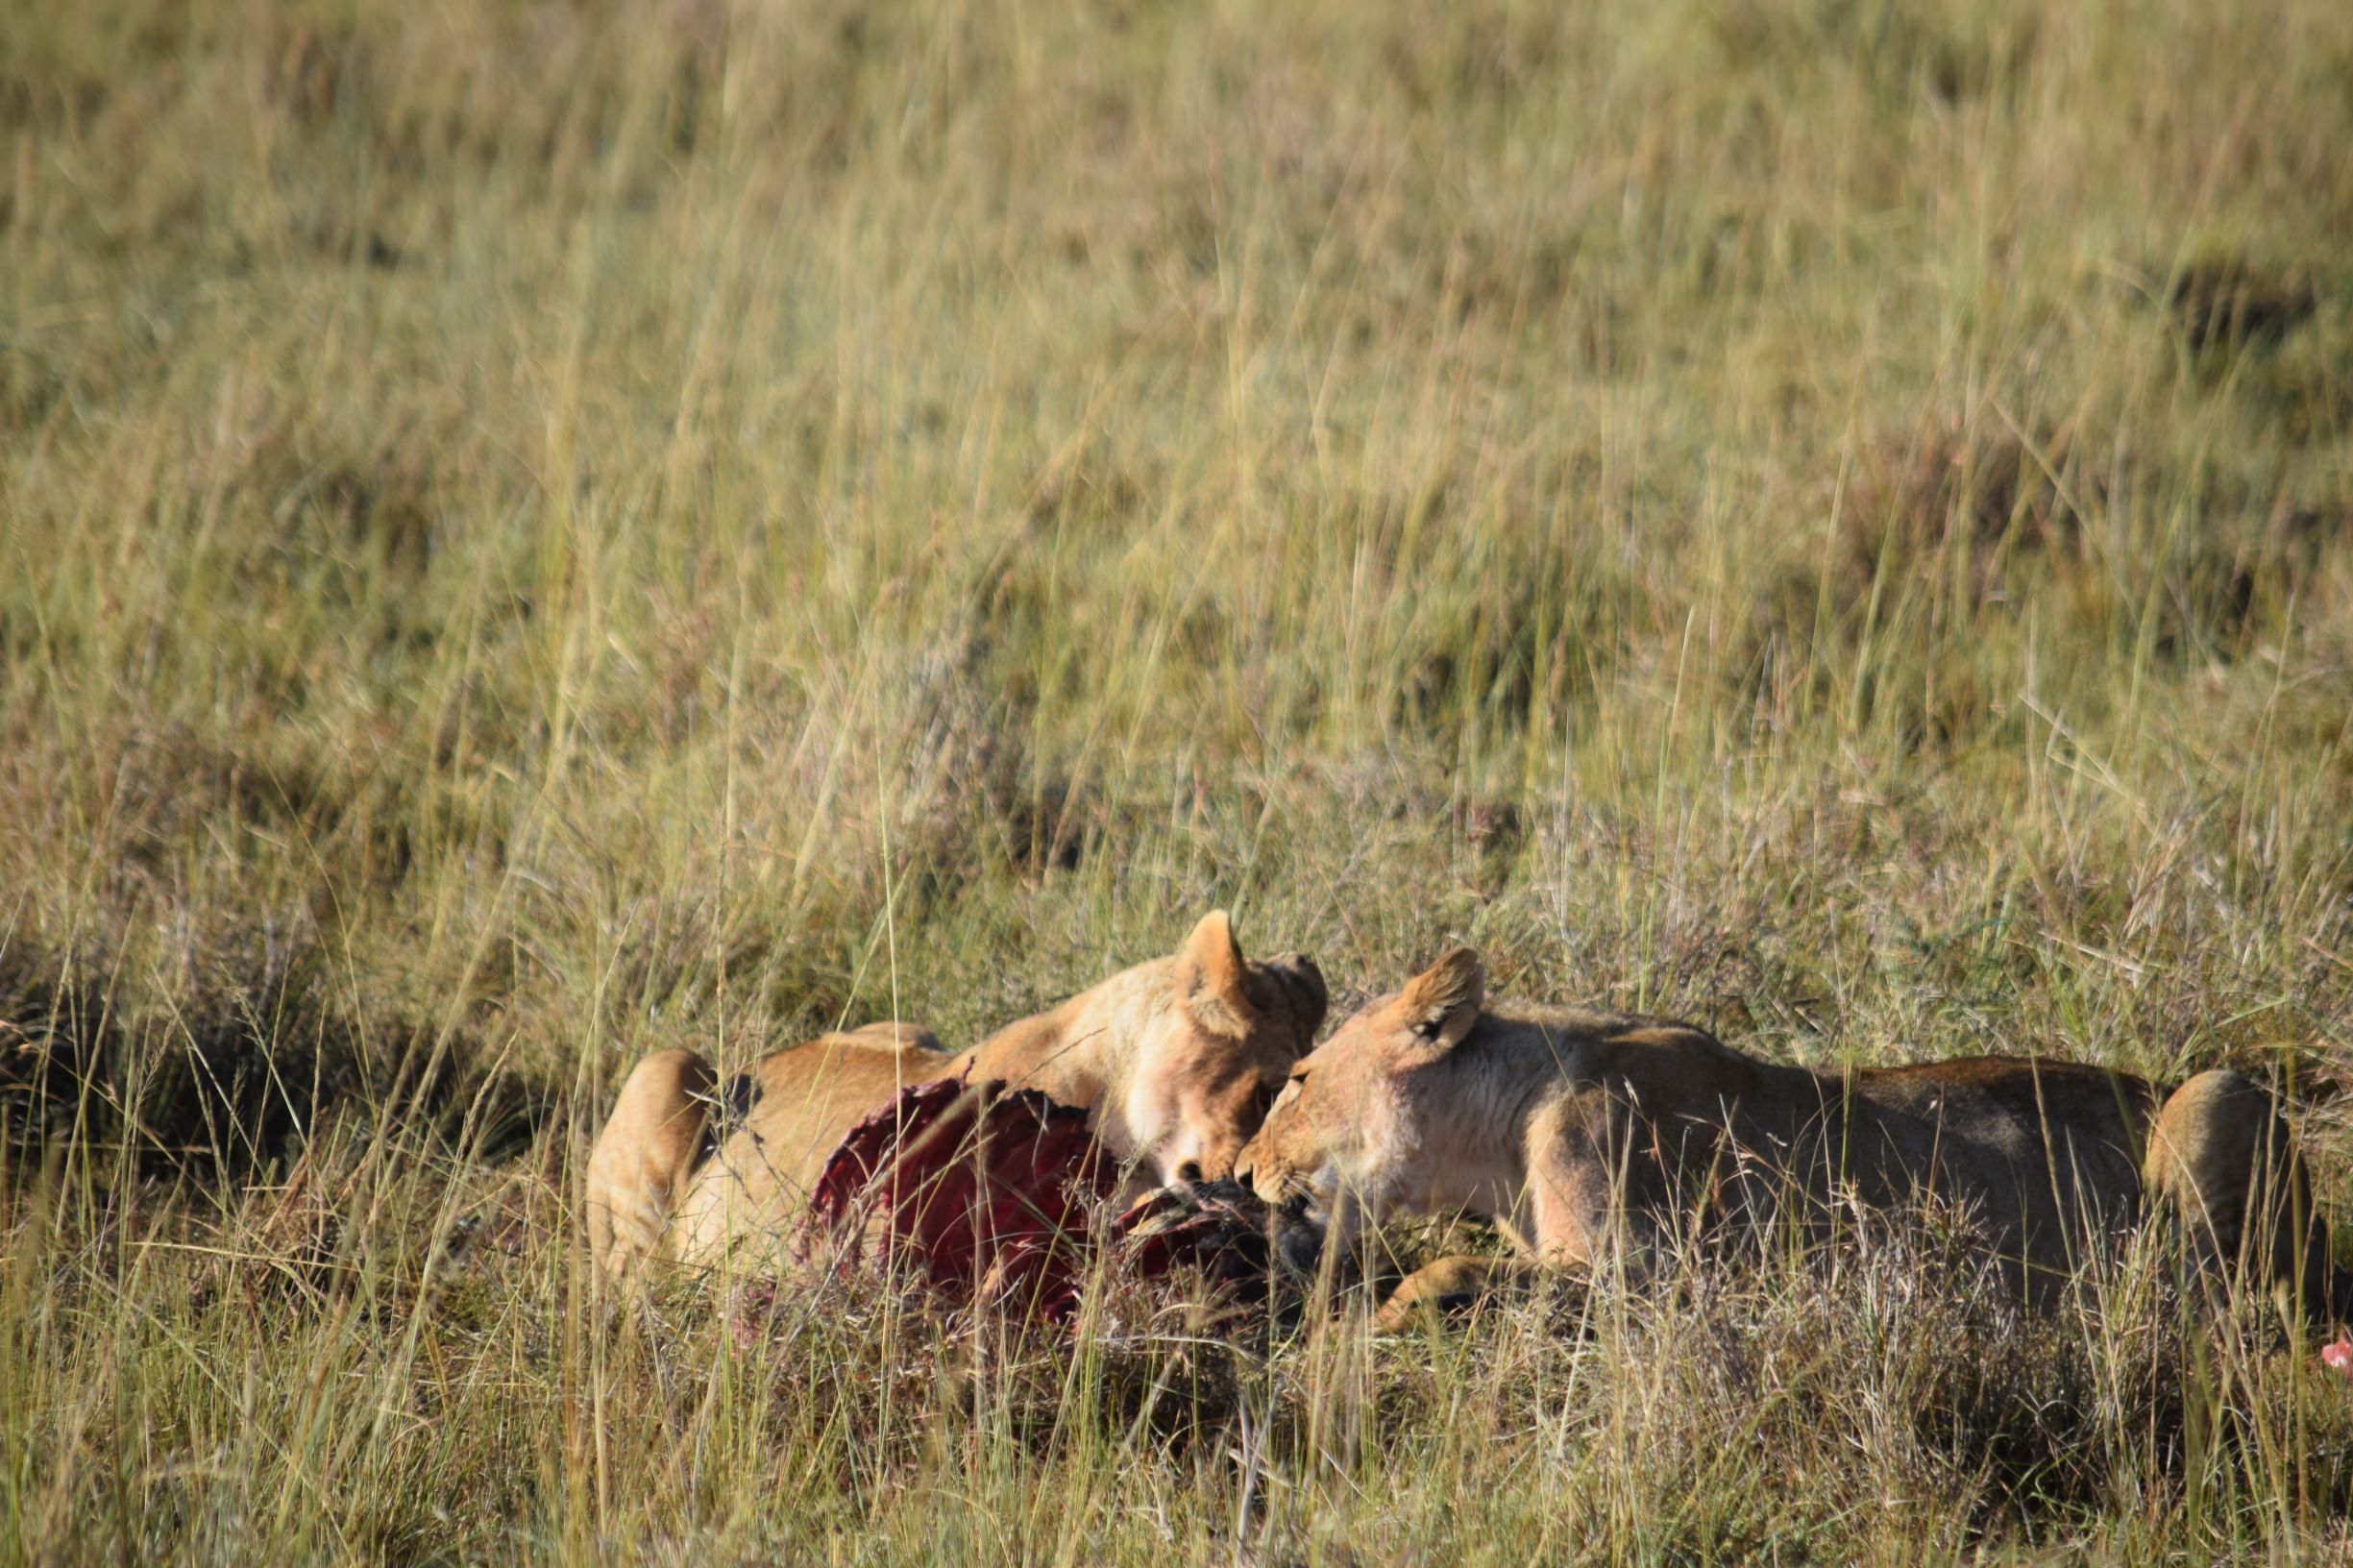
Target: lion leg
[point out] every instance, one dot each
(2221, 1157)
(644, 1158)
(1449, 1285)
(1562, 1240)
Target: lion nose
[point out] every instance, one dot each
(1241, 1172)
(1190, 1172)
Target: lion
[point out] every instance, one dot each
(1590, 1138)
(1175, 1060)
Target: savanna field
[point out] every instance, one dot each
(536, 533)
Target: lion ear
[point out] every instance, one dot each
(1213, 978)
(1440, 1005)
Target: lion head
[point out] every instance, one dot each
(1351, 1133)
(1211, 1051)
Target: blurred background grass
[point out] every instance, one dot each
(530, 533)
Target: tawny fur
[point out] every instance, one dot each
(1175, 1060)
(1589, 1137)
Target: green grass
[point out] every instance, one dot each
(532, 533)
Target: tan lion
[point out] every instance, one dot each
(1588, 1138)
(1175, 1060)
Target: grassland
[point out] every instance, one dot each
(533, 532)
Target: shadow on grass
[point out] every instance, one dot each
(228, 1069)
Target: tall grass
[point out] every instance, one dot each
(530, 533)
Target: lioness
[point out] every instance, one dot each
(1589, 1137)
(1176, 1060)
